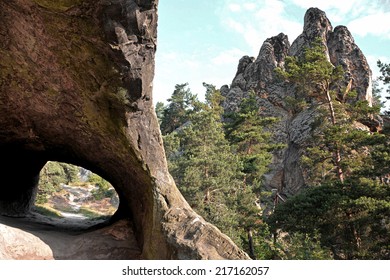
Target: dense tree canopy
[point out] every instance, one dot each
(218, 161)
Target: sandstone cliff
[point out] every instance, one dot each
(294, 130)
(76, 86)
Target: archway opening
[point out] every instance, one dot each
(74, 215)
(73, 193)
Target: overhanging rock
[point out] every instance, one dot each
(76, 86)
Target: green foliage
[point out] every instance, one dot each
(301, 246)
(160, 107)
(104, 188)
(311, 74)
(252, 143)
(58, 5)
(52, 175)
(47, 211)
(218, 177)
(178, 110)
(71, 172)
(384, 68)
(336, 149)
(207, 169)
(219, 167)
(352, 219)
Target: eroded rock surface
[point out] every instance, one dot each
(76, 86)
(36, 237)
(293, 130)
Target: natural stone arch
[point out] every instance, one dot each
(76, 86)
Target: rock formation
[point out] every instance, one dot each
(294, 130)
(76, 86)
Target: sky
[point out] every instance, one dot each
(203, 40)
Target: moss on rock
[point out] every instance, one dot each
(58, 5)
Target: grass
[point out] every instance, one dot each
(90, 214)
(47, 211)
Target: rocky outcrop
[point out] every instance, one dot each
(294, 130)
(76, 86)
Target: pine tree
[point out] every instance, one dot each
(202, 163)
(351, 219)
(313, 75)
(178, 109)
(384, 68)
(252, 143)
(343, 161)
(160, 108)
(246, 130)
(209, 167)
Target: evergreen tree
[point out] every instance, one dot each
(71, 172)
(178, 109)
(207, 169)
(352, 219)
(52, 175)
(246, 132)
(336, 148)
(160, 107)
(384, 68)
(313, 75)
(349, 204)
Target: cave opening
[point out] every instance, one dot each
(73, 193)
(58, 210)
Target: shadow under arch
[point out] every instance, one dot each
(43, 237)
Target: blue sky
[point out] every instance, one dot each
(203, 40)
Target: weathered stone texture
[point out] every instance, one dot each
(76, 86)
(293, 130)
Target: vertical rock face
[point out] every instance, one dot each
(294, 130)
(343, 51)
(76, 86)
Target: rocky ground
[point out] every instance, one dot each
(75, 226)
(78, 201)
(38, 237)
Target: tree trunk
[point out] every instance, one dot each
(337, 154)
(250, 243)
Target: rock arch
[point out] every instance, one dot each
(76, 86)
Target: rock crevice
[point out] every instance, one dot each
(294, 130)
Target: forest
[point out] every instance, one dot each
(218, 161)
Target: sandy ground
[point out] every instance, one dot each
(41, 237)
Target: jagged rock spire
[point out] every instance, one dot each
(259, 75)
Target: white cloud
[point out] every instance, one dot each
(235, 25)
(372, 61)
(377, 25)
(249, 6)
(234, 7)
(257, 21)
(341, 5)
(174, 68)
(228, 57)
(362, 17)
